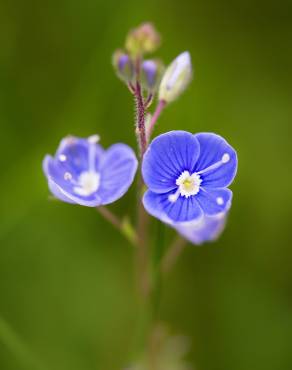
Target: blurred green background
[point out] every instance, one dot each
(66, 279)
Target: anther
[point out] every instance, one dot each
(93, 139)
(174, 197)
(62, 157)
(220, 201)
(225, 158)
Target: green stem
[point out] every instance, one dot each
(156, 271)
(142, 256)
(172, 254)
(124, 226)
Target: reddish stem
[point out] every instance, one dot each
(155, 116)
(141, 119)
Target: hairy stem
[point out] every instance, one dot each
(142, 256)
(141, 119)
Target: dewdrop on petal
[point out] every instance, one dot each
(176, 78)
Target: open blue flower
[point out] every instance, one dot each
(187, 176)
(82, 172)
(206, 229)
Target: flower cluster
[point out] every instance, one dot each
(130, 66)
(187, 175)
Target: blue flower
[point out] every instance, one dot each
(187, 176)
(82, 172)
(207, 229)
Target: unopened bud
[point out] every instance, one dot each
(123, 66)
(176, 78)
(143, 39)
(151, 72)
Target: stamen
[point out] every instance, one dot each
(188, 185)
(62, 158)
(174, 197)
(91, 152)
(220, 201)
(93, 139)
(225, 158)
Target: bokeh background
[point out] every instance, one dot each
(67, 297)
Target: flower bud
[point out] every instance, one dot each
(151, 72)
(176, 78)
(143, 39)
(123, 66)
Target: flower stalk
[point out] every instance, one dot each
(140, 124)
(160, 107)
(172, 254)
(123, 226)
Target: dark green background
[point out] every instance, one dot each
(66, 279)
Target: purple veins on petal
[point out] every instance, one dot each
(166, 158)
(217, 162)
(81, 173)
(214, 201)
(159, 206)
(121, 161)
(187, 176)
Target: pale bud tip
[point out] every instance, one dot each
(176, 77)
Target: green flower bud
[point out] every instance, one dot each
(151, 72)
(143, 39)
(123, 66)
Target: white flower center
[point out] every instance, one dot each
(187, 185)
(87, 184)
